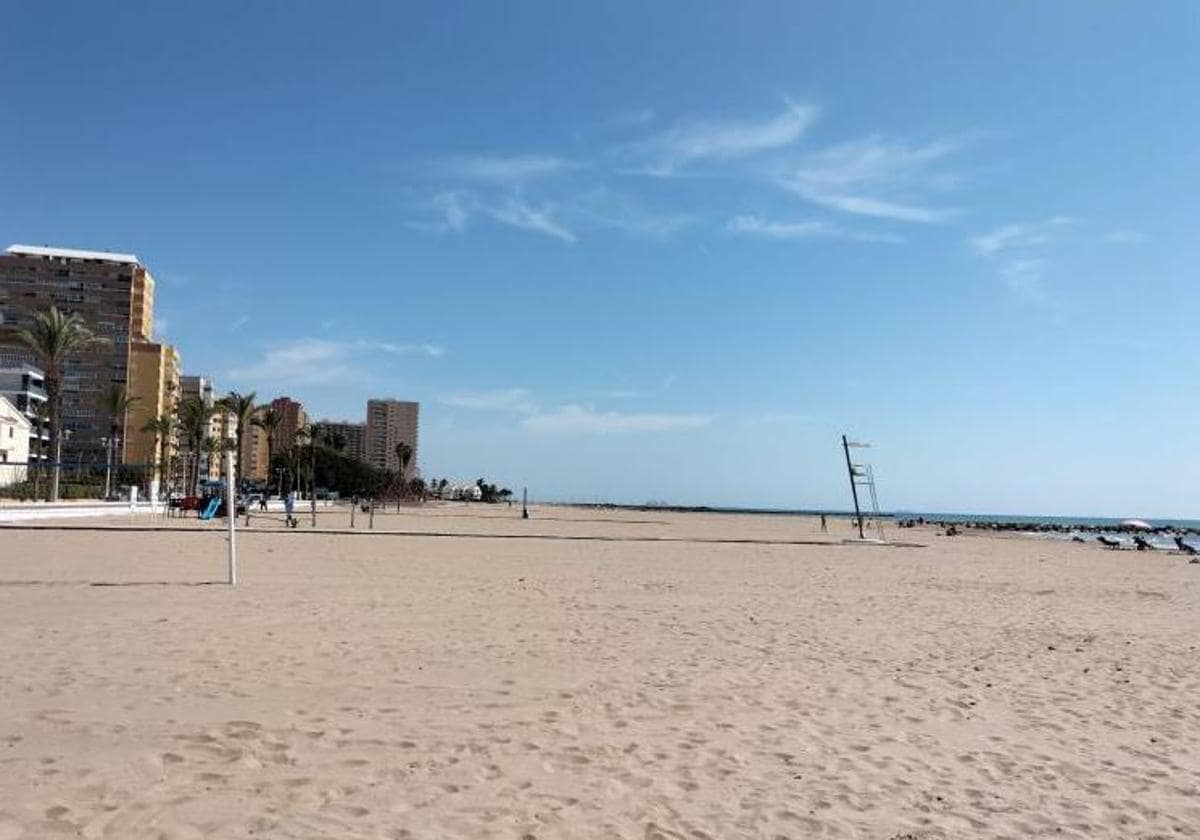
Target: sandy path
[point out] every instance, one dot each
(419, 687)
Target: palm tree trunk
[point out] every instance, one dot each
(237, 461)
(37, 470)
(163, 465)
(55, 437)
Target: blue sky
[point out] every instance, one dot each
(660, 251)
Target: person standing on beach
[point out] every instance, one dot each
(289, 507)
(823, 528)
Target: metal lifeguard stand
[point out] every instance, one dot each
(862, 475)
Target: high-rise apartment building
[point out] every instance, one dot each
(352, 435)
(388, 423)
(154, 386)
(256, 453)
(113, 294)
(292, 418)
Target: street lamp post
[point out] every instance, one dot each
(109, 443)
(58, 464)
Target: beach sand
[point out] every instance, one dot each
(647, 682)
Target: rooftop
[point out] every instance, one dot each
(71, 254)
(10, 414)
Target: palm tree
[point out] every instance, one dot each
(215, 447)
(313, 433)
(241, 406)
(162, 428)
(193, 417)
(53, 338)
(335, 440)
(404, 454)
(117, 402)
(269, 420)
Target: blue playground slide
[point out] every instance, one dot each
(211, 511)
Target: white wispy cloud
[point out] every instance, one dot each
(878, 208)
(1019, 236)
(697, 140)
(237, 323)
(520, 214)
(875, 176)
(585, 420)
(451, 211)
(602, 207)
(504, 169)
(318, 361)
(448, 211)
(519, 400)
(752, 225)
(434, 351)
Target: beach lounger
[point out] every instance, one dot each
(1109, 542)
(1184, 547)
(1142, 544)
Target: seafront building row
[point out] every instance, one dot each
(114, 294)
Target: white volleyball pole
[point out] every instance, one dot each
(231, 514)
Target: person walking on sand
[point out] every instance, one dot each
(824, 530)
(289, 507)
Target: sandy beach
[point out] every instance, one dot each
(624, 674)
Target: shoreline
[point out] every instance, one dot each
(997, 522)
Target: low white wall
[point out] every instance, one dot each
(25, 513)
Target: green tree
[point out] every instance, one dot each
(193, 420)
(241, 406)
(162, 428)
(117, 402)
(404, 454)
(53, 338)
(334, 440)
(269, 420)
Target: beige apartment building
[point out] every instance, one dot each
(255, 459)
(154, 385)
(113, 293)
(222, 426)
(388, 423)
